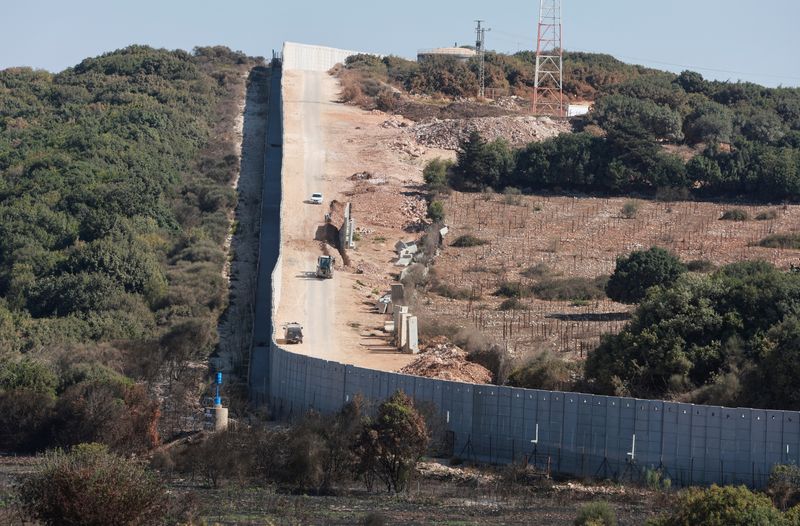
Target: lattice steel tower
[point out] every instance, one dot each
(548, 93)
(480, 48)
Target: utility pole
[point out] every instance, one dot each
(480, 40)
(548, 94)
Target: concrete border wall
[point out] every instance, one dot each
(312, 58)
(572, 433)
(578, 434)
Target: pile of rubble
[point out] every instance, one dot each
(446, 361)
(518, 130)
(415, 214)
(394, 122)
(512, 102)
(459, 475)
(408, 146)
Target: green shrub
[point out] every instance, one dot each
(435, 174)
(784, 485)
(767, 215)
(629, 209)
(573, 288)
(641, 270)
(513, 289)
(436, 211)
(512, 196)
(735, 214)
(656, 481)
(539, 270)
(721, 506)
(468, 240)
(92, 487)
(596, 514)
(449, 291)
(392, 443)
(544, 371)
(511, 304)
(787, 241)
(700, 265)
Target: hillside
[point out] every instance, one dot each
(115, 199)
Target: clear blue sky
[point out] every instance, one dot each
(732, 39)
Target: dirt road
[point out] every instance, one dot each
(319, 156)
(304, 298)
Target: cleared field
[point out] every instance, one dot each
(579, 237)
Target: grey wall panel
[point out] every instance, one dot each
(516, 424)
(790, 444)
(556, 427)
(484, 421)
(507, 445)
(571, 450)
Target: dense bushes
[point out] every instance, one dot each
(639, 271)
(585, 74)
(634, 119)
(749, 135)
(544, 371)
(114, 202)
(729, 337)
(551, 288)
(92, 487)
(723, 506)
(318, 452)
(596, 514)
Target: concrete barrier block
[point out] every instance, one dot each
(412, 339)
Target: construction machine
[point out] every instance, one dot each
(325, 266)
(293, 332)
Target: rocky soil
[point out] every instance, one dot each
(517, 130)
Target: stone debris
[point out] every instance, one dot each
(512, 102)
(448, 134)
(440, 358)
(407, 145)
(415, 214)
(361, 176)
(459, 475)
(394, 122)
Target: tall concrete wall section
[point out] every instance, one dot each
(572, 433)
(312, 58)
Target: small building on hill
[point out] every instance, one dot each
(462, 54)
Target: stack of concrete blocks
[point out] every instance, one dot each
(406, 330)
(405, 252)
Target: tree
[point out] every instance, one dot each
(638, 117)
(91, 487)
(709, 121)
(641, 270)
(29, 375)
(483, 165)
(781, 364)
(114, 412)
(721, 506)
(435, 174)
(436, 211)
(391, 445)
(691, 81)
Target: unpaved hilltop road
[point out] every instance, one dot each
(304, 298)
